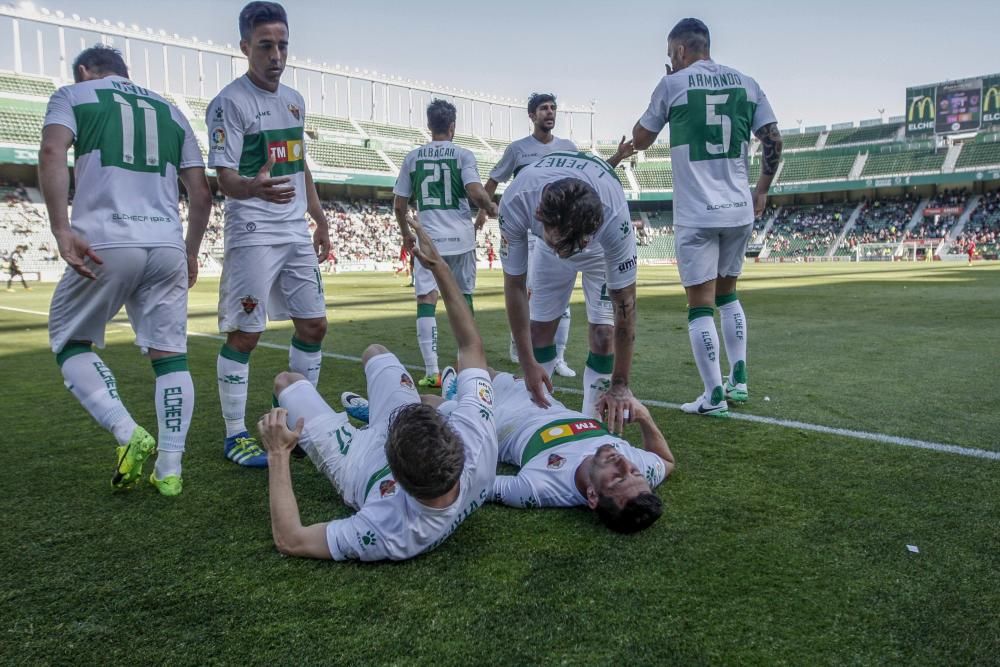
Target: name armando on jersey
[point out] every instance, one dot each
(435, 152)
(714, 80)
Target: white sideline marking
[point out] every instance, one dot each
(772, 421)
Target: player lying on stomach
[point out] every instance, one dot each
(567, 459)
(413, 475)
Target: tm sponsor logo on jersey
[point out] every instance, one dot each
(627, 266)
(732, 204)
(286, 151)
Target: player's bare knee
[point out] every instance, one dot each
(286, 379)
(543, 333)
(371, 351)
(429, 298)
(243, 341)
(312, 330)
(602, 338)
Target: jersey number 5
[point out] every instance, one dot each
(712, 117)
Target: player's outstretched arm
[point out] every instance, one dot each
(290, 536)
(481, 198)
(615, 401)
(491, 189)
(470, 345)
(626, 149)
(771, 146)
(200, 207)
(53, 177)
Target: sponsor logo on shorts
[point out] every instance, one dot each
(406, 381)
(627, 266)
(294, 110)
(387, 488)
(251, 226)
(218, 138)
(504, 247)
(556, 462)
(485, 391)
(249, 303)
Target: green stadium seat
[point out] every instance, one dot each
(863, 135)
(815, 166)
(346, 156)
(26, 85)
(468, 141)
(330, 124)
(21, 121)
(796, 141)
(907, 162)
(660, 151)
(410, 134)
(654, 175)
(977, 156)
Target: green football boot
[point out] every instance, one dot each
(131, 456)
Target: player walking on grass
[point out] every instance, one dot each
(14, 269)
(575, 204)
(712, 109)
(271, 266)
(442, 178)
(125, 247)
(518, 155)
(412, 475)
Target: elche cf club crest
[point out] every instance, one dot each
(405, 381)
(294, 110)
(556, 462)
(387, 488)
(249, 303)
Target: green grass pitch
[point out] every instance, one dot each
(778, 545)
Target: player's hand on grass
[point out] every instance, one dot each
(538, 382)
(192, 270)
(759, 203)
(274, 190)
(275, 434)
(615, 406)
(321, 241)
(75, 251)
(424, 249)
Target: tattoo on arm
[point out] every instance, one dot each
(770, 139)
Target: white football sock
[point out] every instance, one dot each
(427, 337)
(734, 334)
(174, 409)
(596, 381)
(305, 359)
(562, 335)
(705, 347)
(233, 369)
(94, 385)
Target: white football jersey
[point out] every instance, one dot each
(712, 110)
(246, 124)
(393, 525)
(614, 239)
(130, 144)
(435, 175)
(549, 447)
(521, 153)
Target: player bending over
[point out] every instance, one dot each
(712, 110)
(125, 247)
(413, 475)
(576, 205)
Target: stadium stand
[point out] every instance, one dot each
(937, 227)
(658, 151)
(21, 122)
(468, 141)
(346, 156)
(793, 142)
(863, 135)
(983, 228)
(498, 144)
(881, 221)
(654, 175)
(20, 84)
(330, 124)
(198, 106)
(977, 155)
(807, 230)
(908, 162)
(815, 166)
(408, 134)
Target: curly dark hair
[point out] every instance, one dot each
(100, 59)
(638, 513)
(538, 99)
(573, 210)
(440, 115)
(256, 13)
(425, 454)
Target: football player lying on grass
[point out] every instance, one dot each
(414, 475)
(567, 459)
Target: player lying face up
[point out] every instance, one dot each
(413, 476)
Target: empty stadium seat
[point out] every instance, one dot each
(26, 85)
(862, 135)
(346, 156)
(908, 162)
(815, 166)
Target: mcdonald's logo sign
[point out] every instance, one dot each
(991, 104)
(920, 114)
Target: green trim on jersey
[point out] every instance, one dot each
(537, 445)
(378, 476)
(256, 151)
(435, 190)
(559, 159)
(103, 126)
(693, 124)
